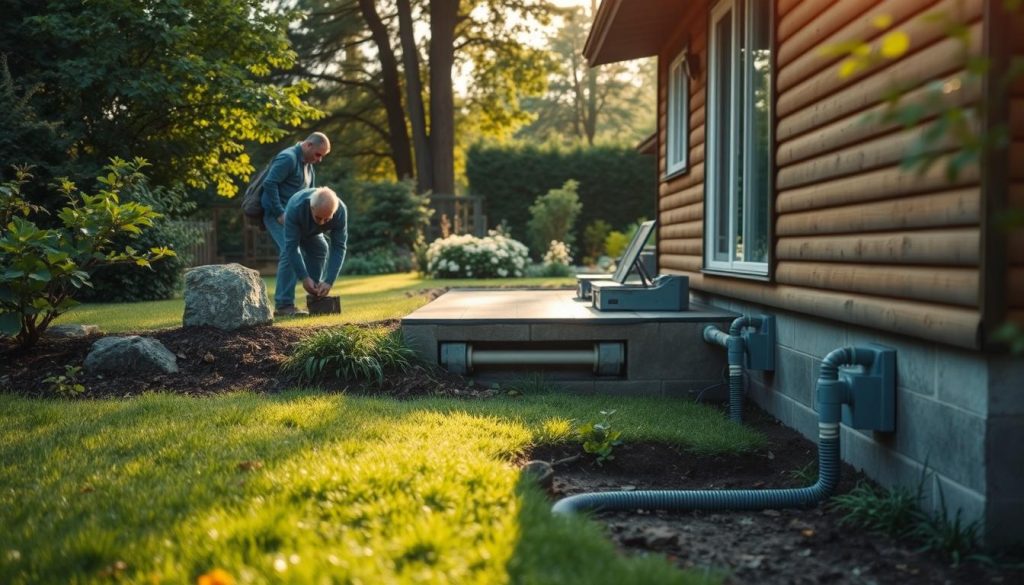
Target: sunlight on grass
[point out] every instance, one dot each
(302, 488)
(363, 298)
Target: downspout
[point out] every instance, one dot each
(735, 346)
(832, 393)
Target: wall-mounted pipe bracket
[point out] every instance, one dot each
(871, 389)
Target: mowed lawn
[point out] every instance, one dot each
(306, 487)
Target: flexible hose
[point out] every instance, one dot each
(735, 347)
(832, 393)
(682, 500)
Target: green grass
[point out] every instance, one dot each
(308, 488)
(363, 298)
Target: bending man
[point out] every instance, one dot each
(290, 171)
(315, 240)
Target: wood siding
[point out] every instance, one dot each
(1015, 241)
(856, 237)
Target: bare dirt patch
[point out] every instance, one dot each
(772, 546)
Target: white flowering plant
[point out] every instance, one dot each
(557, 260)
(496, 255)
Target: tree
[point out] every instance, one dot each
(583, 103)
(183, 83)
(349, 47)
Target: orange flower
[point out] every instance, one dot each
(216, 577)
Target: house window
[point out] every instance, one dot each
(678, 138)
(739, 141)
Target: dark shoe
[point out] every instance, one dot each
(290, 311)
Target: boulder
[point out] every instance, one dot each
(130, 355)
(72, 330)
(225, 296)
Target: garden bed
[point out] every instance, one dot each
(772, 546)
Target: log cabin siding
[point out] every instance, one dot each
(857, 238)
(1015, 198)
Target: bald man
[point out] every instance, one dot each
(315, 241)
(290, 171)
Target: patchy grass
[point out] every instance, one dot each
(363, 299)
(302, 488)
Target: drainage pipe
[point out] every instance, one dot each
(832, 393)
(504, 357)
(734, 345)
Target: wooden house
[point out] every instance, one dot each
(781, 191)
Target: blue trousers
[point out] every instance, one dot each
(313, 250)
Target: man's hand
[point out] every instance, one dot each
(280, 219)
(310, 286)
(322, 289)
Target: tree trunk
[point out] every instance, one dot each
(398, 138)
(414, 99)
(443, 17)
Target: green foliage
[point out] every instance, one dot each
(378, 261)
(66, 385)
(593, 240)
(184, 84)
(615, 243)
(466, 256)
(350, 353)
(807, 474)
(129, 283)
(553, 215)
(897, 512)
(386, 220)
(598, 438)
(616, 184)
(43, 268)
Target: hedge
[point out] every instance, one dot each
(617, 184)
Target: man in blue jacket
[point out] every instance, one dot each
(315, 240)
(290, 171)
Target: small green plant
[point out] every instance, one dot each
(351, 353)
(806, 474)
(553, 215)
(897, 512)
(598, 438)
(531, 384)
(66, 384)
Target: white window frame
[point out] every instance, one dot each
(677, 135)
(739, 87)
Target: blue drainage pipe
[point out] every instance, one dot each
(733, 344)
(831, 394)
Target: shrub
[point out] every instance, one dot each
(128, 283)
(349, 353)
(43, 268)
(557, 260)
(378, 261)
(615, 243)
(593, 240)
(385, 215)
(469, 257)
(616, 183)
(553, 215)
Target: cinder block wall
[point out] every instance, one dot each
(959, 417)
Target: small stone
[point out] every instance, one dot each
(659, 535)
(541, 471)
(208, 358)
(73, 330)
(772, 513)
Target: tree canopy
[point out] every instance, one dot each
(183, 83)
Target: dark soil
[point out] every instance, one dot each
(771, 546)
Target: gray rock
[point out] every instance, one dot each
(72, 330)
(130, 355)
(227, 296)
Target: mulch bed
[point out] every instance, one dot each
(771, 546)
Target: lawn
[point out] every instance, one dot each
(363, 298)
(306, 487)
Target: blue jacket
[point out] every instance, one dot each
(299, 225)
(285, 176)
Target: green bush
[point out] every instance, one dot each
(44, 268)
(128, 283)
(384, 215)
(470, 257)
(553, 215)
(349, 353)
(616, 183)
(379, 261)
(593, 240)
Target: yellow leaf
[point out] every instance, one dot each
(848, 67)
(882, 21)
(895, 44)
